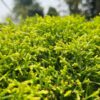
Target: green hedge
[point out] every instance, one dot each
(51, 58)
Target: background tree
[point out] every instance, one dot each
(89, 8)
(97, 6)
(52, 12)
(25, 8)
(73, 6)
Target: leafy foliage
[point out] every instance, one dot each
(52, 12)
(24, 8)
(73, 6)
(51, 58)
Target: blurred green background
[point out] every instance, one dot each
(16, 9)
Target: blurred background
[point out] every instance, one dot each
(16, 9)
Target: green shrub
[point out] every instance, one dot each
(51, 58)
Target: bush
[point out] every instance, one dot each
(51, 58)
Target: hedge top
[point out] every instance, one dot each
(51, 58)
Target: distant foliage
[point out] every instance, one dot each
(52, 12)
(73, 6)
(51, 58)
(26, 2)
(24, 8)
(35, 12)
(89, 8)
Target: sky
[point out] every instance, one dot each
(59, 4)
(62, 7)
(5, 11)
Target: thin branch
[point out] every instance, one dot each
(5, 4)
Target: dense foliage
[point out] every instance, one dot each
(51, 58)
